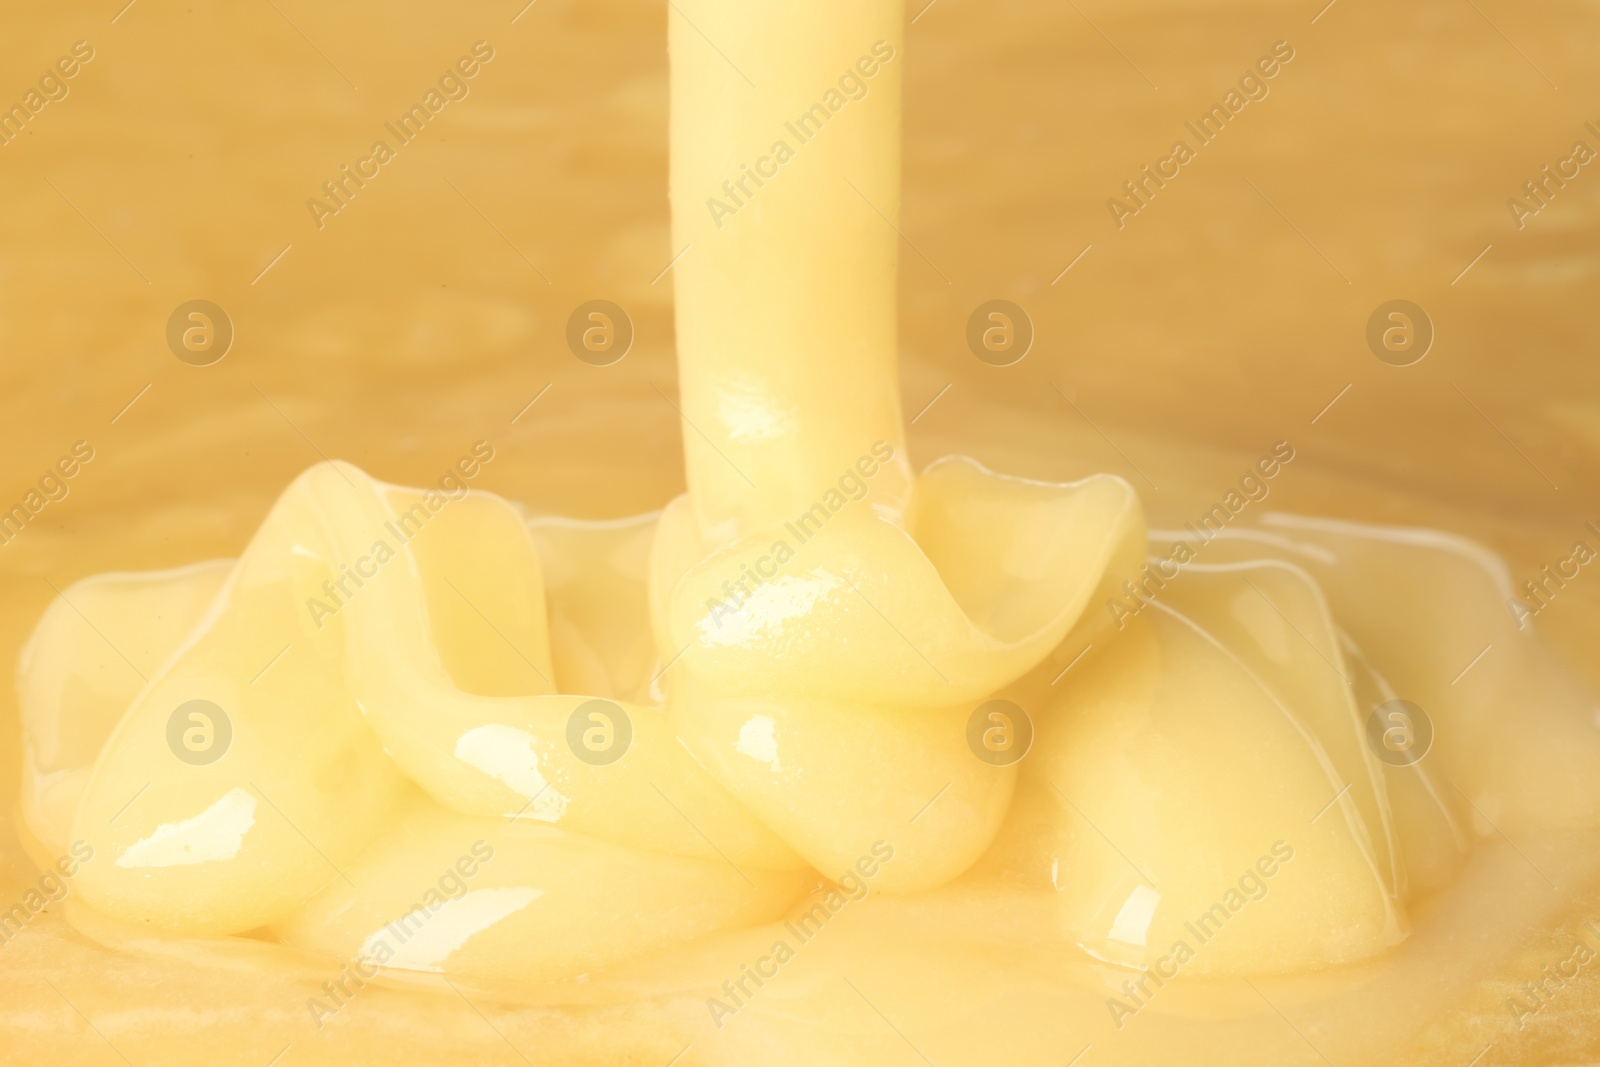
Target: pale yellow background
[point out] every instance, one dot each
(414, 324)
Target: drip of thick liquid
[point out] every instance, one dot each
(978, 757)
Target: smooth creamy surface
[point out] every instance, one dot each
(803, 855)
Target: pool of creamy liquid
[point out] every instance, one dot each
(395, 344)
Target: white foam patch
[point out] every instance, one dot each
(758, 739)
(506, 753)
(215, 834)
(1132, 924)
(444, 931)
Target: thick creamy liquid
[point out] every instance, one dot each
(1021, 955)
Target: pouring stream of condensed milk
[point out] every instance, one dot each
(839, 616)
(520, 749)
(785, 187)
